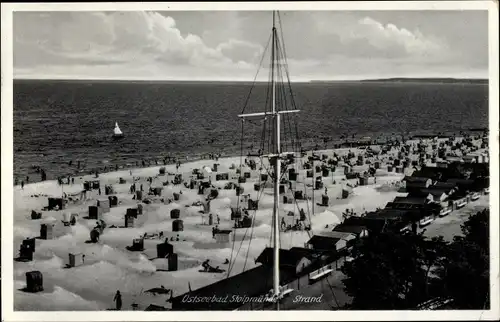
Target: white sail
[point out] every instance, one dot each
(117, 129)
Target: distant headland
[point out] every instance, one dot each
(417, 80)
(380, 80)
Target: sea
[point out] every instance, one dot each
(58, 123)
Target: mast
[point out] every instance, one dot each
(277, 170)
(275, 158)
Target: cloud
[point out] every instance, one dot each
(213, 45)
(369, 38)
(239, 50)
(75, 38)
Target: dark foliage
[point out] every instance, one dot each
(399, 271)
(465, 276)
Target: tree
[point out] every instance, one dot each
(400, 271)
(465, 277)
(389, 271)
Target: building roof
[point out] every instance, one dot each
(390, 214)
(410, 200)
(307, 252)
(435, 192)
(253, 282)
(460, 181)
(435, 172)
(414, 179)
(323, 242)
(339, 234)
(444, 185)
(288, 257)
(355, 229)
(403, 206)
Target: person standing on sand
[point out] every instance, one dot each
(22, 185)
(118, 300)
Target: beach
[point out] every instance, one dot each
(109, 266)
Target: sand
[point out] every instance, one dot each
(109, 266)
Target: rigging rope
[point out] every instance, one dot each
(255, 78)
(242, 135)
(282, 88)
(244, 235)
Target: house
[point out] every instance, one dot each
(297, 259)
(440, 174)
(403, 203)
(435, 194)
(326, 243)
(470, 158)
(415, 183)
(348, 237)
(454, 159)
(448, 187)
(390, 219)
(223, 236)
(464, 184)
(359, 231)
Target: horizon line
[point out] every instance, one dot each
(432, 78)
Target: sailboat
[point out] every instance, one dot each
(117, 133)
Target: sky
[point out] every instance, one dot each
(228, 45)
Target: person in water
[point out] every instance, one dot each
(118, 300)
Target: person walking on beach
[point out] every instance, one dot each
(22, 185)
(218, 220)
(118, 300)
